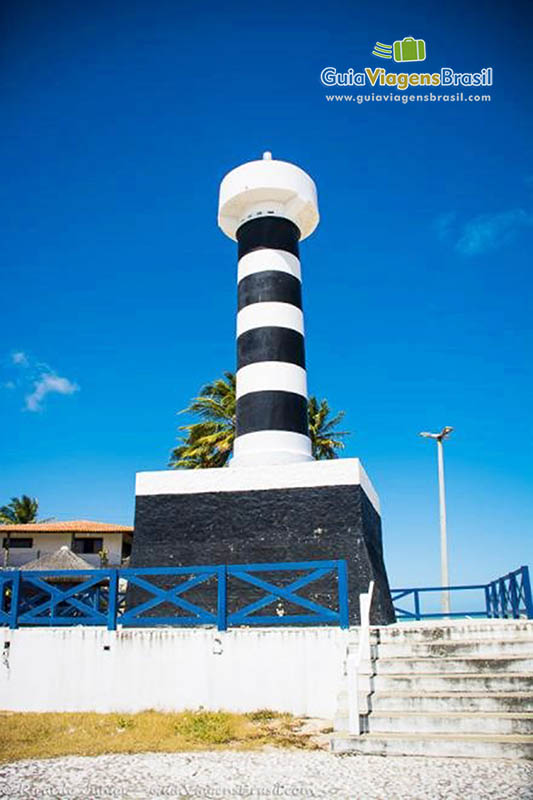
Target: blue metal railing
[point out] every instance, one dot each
(508, 597)
(98, 597)
(110, 597)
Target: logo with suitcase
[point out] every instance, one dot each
(407, 49)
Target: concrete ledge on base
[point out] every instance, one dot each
(336, 472)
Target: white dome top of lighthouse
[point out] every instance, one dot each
(267, 187)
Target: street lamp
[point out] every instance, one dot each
(439, 438)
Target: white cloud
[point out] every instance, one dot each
(482, 233)
(48, 383)
(20, 358)
(36, 380)
(444, 224)
(490, 231)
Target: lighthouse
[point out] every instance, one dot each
(274, 504)
(268, 207)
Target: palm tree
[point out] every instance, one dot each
(209, 442)
(20, 511)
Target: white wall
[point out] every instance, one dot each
(50, 542)
(42, 543)
(113, 545)
(171, 669)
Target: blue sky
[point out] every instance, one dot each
(119, 120)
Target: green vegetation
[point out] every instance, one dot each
(20, 511)
(325, 439)
(36, 735)
(265, 715)
(208, 727)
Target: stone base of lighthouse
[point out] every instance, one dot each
(294, 512)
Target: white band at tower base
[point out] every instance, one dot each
(270, 447)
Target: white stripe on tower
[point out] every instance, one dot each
(265, 314)
(271, 375)
(260, 260)
(271, 415)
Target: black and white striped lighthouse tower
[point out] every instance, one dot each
(268, 207)
(278, 504)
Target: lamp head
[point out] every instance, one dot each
(438, 436)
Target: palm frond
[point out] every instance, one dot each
(21, 510)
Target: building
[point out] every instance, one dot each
(86, 538)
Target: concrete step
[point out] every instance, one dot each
(478, 647)
(449, 688)
(498, 724)
(452, 664)
(458, 630)
(521, 702)
(454, 682)
(458, 744)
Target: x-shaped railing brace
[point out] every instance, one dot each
(169, 596)
(61, 596)
(279, 592)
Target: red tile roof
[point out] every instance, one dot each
(69, 526)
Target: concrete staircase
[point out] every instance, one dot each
(454, 688)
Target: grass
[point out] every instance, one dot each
(35, 735)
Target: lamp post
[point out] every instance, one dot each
(445, 581)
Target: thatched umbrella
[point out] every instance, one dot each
(63, 558)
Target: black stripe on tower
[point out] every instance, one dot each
(270, 286)
(273, 411)
(270, 344)
(276, 233)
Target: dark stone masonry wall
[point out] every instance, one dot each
(301, 524)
